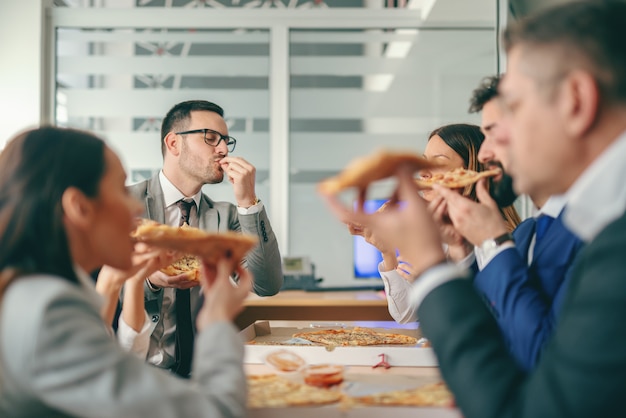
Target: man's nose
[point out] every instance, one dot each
(485, 153)
(222, 148)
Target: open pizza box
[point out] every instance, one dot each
(360, 384)
(266, 339)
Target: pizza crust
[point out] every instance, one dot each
(210, 246)
(434, 394)
(356, 336)
(457, 178)
(365, 170)
(271, 391)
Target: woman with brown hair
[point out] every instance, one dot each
(451, 146)
(65, 211)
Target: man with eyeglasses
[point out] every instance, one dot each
(195, 145)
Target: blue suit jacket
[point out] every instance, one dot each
(526, 300)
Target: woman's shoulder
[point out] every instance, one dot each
(35, 289)
(30, 299)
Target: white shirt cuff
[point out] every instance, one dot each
(133, 341)
(251, 210)
(433, 278)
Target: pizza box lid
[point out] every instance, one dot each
(405, 356)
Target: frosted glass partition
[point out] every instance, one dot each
(305, 90)
(121, 82)
(354, 91)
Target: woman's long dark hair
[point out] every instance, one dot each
(465, 140)
(36, 168)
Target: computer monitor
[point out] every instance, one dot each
(366, 257)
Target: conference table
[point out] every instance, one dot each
(299, 305)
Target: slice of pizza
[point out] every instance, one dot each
(187, 264)
(271, 391)
(457, 178)
(434, 394)
(209, 246)
(365, 170)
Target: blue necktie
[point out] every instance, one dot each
(543, 223)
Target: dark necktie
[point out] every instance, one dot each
(543, 223)
(184, 323)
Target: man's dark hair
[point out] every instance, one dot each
(177, 118)
(486, 91)
(585, 34)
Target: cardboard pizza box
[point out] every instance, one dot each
(364, 384)
(267, 339)
(360, 381)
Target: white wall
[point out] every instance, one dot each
(21, 56)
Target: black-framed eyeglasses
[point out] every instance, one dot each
(213, 138)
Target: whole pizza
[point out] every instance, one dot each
(357, 336)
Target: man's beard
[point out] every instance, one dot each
(194, 167)
(501, 190)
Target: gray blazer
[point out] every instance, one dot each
(263, 261)
(57, 359)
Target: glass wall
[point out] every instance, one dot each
(358, 90)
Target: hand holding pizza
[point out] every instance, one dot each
(145, 261)
(409, 228)
(458, 247)
(476, 221)
(184, 280)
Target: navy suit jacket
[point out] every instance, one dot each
(526, 300)
(582, 370)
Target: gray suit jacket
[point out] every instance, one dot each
(263, 261)
(57, 359)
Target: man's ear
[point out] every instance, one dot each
(580, 102)
(172, 143)
(77, 207)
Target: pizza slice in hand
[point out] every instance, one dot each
(363, 171)
(194, 243)
(457, 178)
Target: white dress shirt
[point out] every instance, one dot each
(398, 291)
